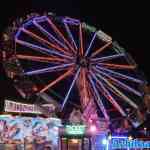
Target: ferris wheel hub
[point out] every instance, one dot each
(83, 61)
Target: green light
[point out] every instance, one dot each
(75, 129)
(89, 27)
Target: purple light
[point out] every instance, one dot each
(72, 84)
(60, 35)
(17, 34)
(40, 19)
(71, 21)
(43, 50)
(108, 95)
(99, 102)
(119, 75)
(48, 69)
(70, 35)
(101, 59)
(120, 84)
(90, 45)
(30, 22)
(115, 90)
(49, 36)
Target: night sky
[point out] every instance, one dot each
(126, 22)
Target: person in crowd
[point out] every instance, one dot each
(47, 147)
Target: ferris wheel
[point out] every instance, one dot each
(67, 53)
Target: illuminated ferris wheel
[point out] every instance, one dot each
(69, 54)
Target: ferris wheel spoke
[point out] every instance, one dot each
(99, 101)
(119, 75)
(71, 21)
(106, 93)
(41, 49)
(49, 35)
(63, 76)
(71, 86)
(106, 58)
(48, 69)
(70, 35)
(40, 59)
(60, 34)
(120, 84)
(85, 85)
(43, 41)
(101, 49)
(90, 45)
(118, 92)
(117, 66)
(81, 39)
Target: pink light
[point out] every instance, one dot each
(90, 120)
(93, 129)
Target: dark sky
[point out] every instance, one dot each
(126, 22)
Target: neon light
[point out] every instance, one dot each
(119, 137)
(121, 84)
(44, 41)
(81, 39)
(75, 129)
(108, 95)
(71, 86)
(49, 36)
(71, 21)
(57, 80)
(27, 23)
(41, 49)
(85, 87)
(101, 49)
(106, 58)
(117, 66)
(17, 34)
(70, 35)
(118, 92)
(40, 19)
(48, 69)
(40, 59)
(90, 45)
(99, 102)
(119, 75)
(60, 34)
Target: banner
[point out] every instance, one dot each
(11, 106)
(14, 128)
(21, 128)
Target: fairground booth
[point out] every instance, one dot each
(23, 126)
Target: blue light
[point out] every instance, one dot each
(104, 141)
(119, 137)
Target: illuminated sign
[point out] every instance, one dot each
(11, 106)
(75, 129)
